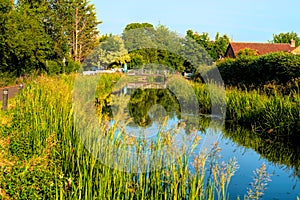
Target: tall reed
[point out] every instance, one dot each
(256, 110)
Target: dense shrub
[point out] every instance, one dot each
(73, 66)
(23, 182)
(53, 67)
(278, 68)
(6, 78)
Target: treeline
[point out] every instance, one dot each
(187, 54)
(256, 71)
(57, 36)
(51, 36)
(142, 43)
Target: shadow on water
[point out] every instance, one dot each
(276, 149)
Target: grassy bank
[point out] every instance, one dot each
(275, 114)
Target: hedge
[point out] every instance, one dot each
(278, 68)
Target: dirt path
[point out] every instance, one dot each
(12, 91)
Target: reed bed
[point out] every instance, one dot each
(277, 114)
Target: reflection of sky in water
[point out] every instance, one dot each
(281, 186)
(151, 131)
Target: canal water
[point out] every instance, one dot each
(147, 108)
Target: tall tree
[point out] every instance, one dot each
(170, 48)
(162, 46)
(202, 39)
(219, 46)
(112, 50)
(24, 44)
(27, 44)
(71, 24)
(82, 28)
(216, 48)
(138, 40)
(6, 7)
(35, 34)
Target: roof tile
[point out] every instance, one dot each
(261, 48)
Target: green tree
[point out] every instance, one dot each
(216, 48)
(202, 39)
(169, 48)
(38, 34)
(6, 75)
(27, 44)
(219, 46)
(78, 27)
(111, 51)
(152, 45)
(104, 37)
(56, 25)
(162, 46)
(24, 44)
(138, 40)
(286, 38)
(72, 25)
(6, 7)
(138, 25)
(196, 56)
(84, 30)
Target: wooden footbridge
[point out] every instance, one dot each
(144, 79)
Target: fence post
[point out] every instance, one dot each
(5, 99)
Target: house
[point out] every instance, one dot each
(261, 48)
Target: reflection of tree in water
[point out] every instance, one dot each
(279, 150)
(146, 106)
(143, 106)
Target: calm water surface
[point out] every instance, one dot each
(148, 107)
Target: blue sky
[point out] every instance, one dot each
(250, 20)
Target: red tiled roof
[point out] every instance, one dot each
(261, 48)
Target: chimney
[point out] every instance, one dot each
(293, 43)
